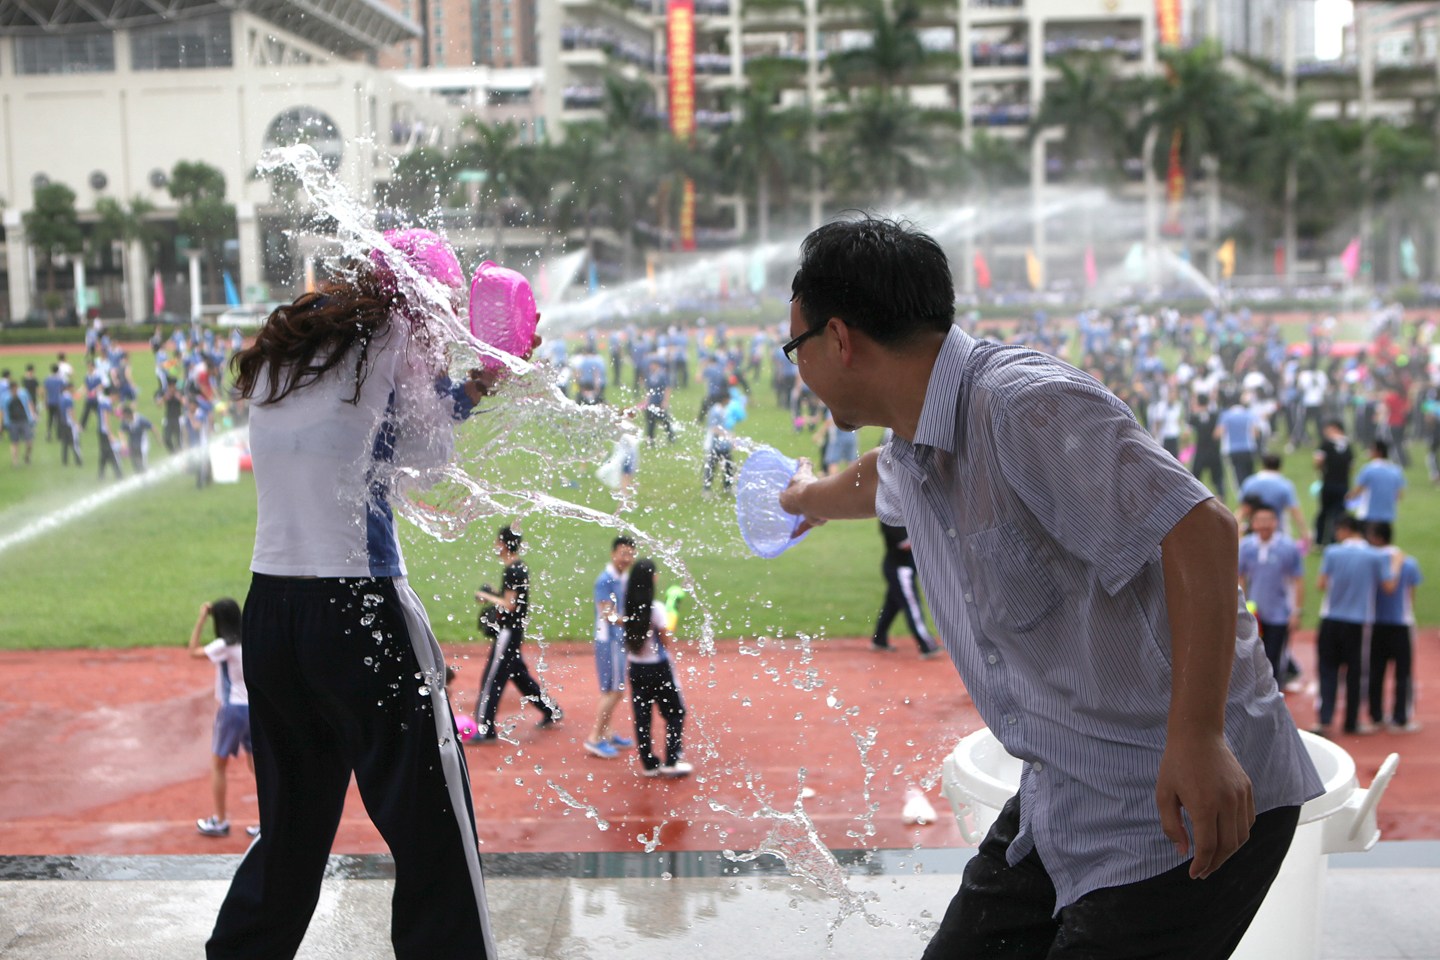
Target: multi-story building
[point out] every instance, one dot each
(465, 33)
(107, 96)
(1005, 50)
(1256, 28)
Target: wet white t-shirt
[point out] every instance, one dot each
(325, 468)
(653, 650)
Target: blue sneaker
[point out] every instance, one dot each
(603, 750)
(619, 742)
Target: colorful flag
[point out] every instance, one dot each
(1034, 270)
(232, 296)
(1350, 259)
(1092, 276)
(982, 272)
(1409, 262)
(1225, 256)
(159, 294)
(593, 278)
(1279, 259)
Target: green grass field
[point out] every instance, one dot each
(133, 571)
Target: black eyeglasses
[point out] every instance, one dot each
(790, 348)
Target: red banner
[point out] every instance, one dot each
(687, 216)
(1167, 22)
(680, 33)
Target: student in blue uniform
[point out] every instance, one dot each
(232, 719)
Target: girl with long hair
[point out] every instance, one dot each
(231, 734)
(347, 392)
(652, 677)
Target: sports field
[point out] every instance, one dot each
(130, 571)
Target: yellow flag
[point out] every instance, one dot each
(1034, 271)
(1225, 256)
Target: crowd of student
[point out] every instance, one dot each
(189, 394)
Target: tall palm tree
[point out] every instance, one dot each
(764, 150)
(632, 125)
(895, 55)
(1090, 104)
(536, 183)
(1282, 146)
(581, 162)
(1200, 101)
(1403, 156)
(879, 147)
(492, 149)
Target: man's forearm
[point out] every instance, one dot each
(1199, 557)
(848, 495)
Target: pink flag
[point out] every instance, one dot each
(1350, 259)
(159, 294)
(1092, 277)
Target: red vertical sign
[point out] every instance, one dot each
(680, 36)
(1167, 29)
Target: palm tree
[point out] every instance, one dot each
(125, 226)
(422, 180)
(1201, 102)
(764, 149)
(895, 54)
(581, 160)
(631, 125)
(880, 147)
(536, 183)
(1403, 156)
(1282, 146)
(1089, 104)
(494, 151)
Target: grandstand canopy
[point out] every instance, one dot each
(342, 26)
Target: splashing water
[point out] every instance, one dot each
(794, 841)
(529, 440)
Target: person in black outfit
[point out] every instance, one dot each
(1334, 460)
(506, 664)
(902, 593)
(1203, 420)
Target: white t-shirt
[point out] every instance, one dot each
(1312, 384)
(325, 468)
(229, 673)
(652, 651)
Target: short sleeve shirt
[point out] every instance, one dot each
(1383, 482)
(1395, 608)
(517, 578)
(609, 588)
(229, 663)
(1268, 570)
(1355, 571)
(1036, 507)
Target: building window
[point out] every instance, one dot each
(194, 44)
(307, 125)
(67, 53)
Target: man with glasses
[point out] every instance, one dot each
(1086, 587)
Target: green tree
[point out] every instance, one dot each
(1201, 101)
(53, 226)
(493, 151)
(204, 215)
(764, 151)
(422, 181)
(581, 160)
(126, 226)
(879, 148)
(895, 56)
(632, 128)
(1089, 104)
(536, 183)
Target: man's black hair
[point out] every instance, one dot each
(1347, 522)
(1334, 423)
(1271, 461)
(1382, 449)
(511, 538)
(881, 277)
(1381, 530)
(621, 542)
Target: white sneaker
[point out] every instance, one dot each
(680, 768)
(211, 827)
(650, 771)
(253, 831)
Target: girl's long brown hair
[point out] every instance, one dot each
(304, 340)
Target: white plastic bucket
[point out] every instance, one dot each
(224, 463)
(979, 776)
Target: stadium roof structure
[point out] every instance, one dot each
(341, 26)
